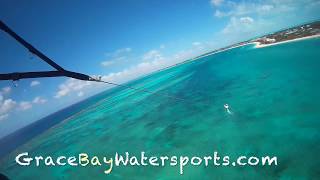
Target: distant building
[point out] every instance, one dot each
(291, 31)
(267, 40)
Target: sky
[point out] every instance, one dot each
(120, 41)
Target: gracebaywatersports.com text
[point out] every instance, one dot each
(125, 159)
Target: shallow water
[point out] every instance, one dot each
(273, 93)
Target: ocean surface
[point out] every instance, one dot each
(273, 92)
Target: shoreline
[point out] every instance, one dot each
(255, 43)
(219, 51)
(259, 45)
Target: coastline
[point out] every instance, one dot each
(259, 45)
(219, 51)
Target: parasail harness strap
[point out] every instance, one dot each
(59, 70)
(24, 75)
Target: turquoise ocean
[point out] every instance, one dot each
(273, 92)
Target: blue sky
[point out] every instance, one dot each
(121, 40)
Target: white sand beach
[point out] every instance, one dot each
(259, 45)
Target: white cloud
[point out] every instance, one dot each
(266, 7)
(249, 19)
(116, 56)
(6, 106)
(199, 46)
(6, 90)
(107, 63)
(152, 55)
(3, 116)
(70, 86)
(239, 25)
(25, 105)
(244, 28)
(39, 100)
(246, 20)
(134, 71)
(119, 52)
(34, 83)
(216, 2)
(80, 94)
(271, 7)
(196, 43)
(220, 14)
